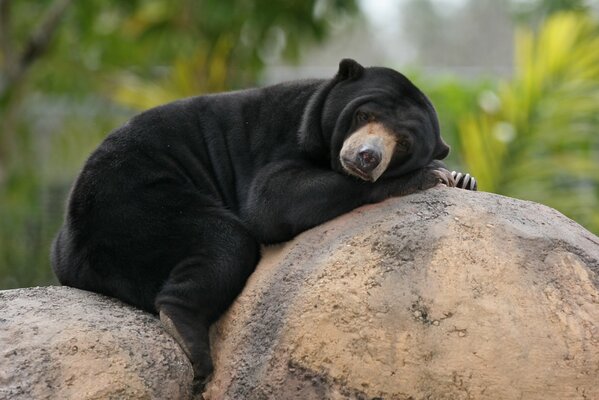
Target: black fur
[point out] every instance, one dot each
(169, 211)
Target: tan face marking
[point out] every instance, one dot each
(373, 135)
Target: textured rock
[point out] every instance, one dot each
(445, 294)
(64, 343)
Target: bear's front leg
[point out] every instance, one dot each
(287, 198)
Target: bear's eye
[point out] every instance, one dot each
(362, 116)
(403, 145)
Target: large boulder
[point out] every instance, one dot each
(445, 294)
(64, 343)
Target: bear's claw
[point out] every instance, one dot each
(464, 181)
(445, 177)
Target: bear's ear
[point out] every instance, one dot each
(441, 150)
(349, 69)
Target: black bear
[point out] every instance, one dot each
(169, 212)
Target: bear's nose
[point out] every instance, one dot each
(368, 159)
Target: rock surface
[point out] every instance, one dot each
(445, 294)
(64, 343)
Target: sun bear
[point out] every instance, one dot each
(169, 212)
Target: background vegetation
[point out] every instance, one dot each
(72, 71)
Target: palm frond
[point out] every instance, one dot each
(543, 142)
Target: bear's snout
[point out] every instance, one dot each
(369, 157)
(367, 152)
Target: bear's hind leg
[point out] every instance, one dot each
(202, 286)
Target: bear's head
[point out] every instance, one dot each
(371, 123)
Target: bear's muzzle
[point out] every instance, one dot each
(367, 152)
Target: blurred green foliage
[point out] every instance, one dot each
(531, 136)
(537, 136)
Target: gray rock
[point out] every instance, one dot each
(64, 343)
(445, 294)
